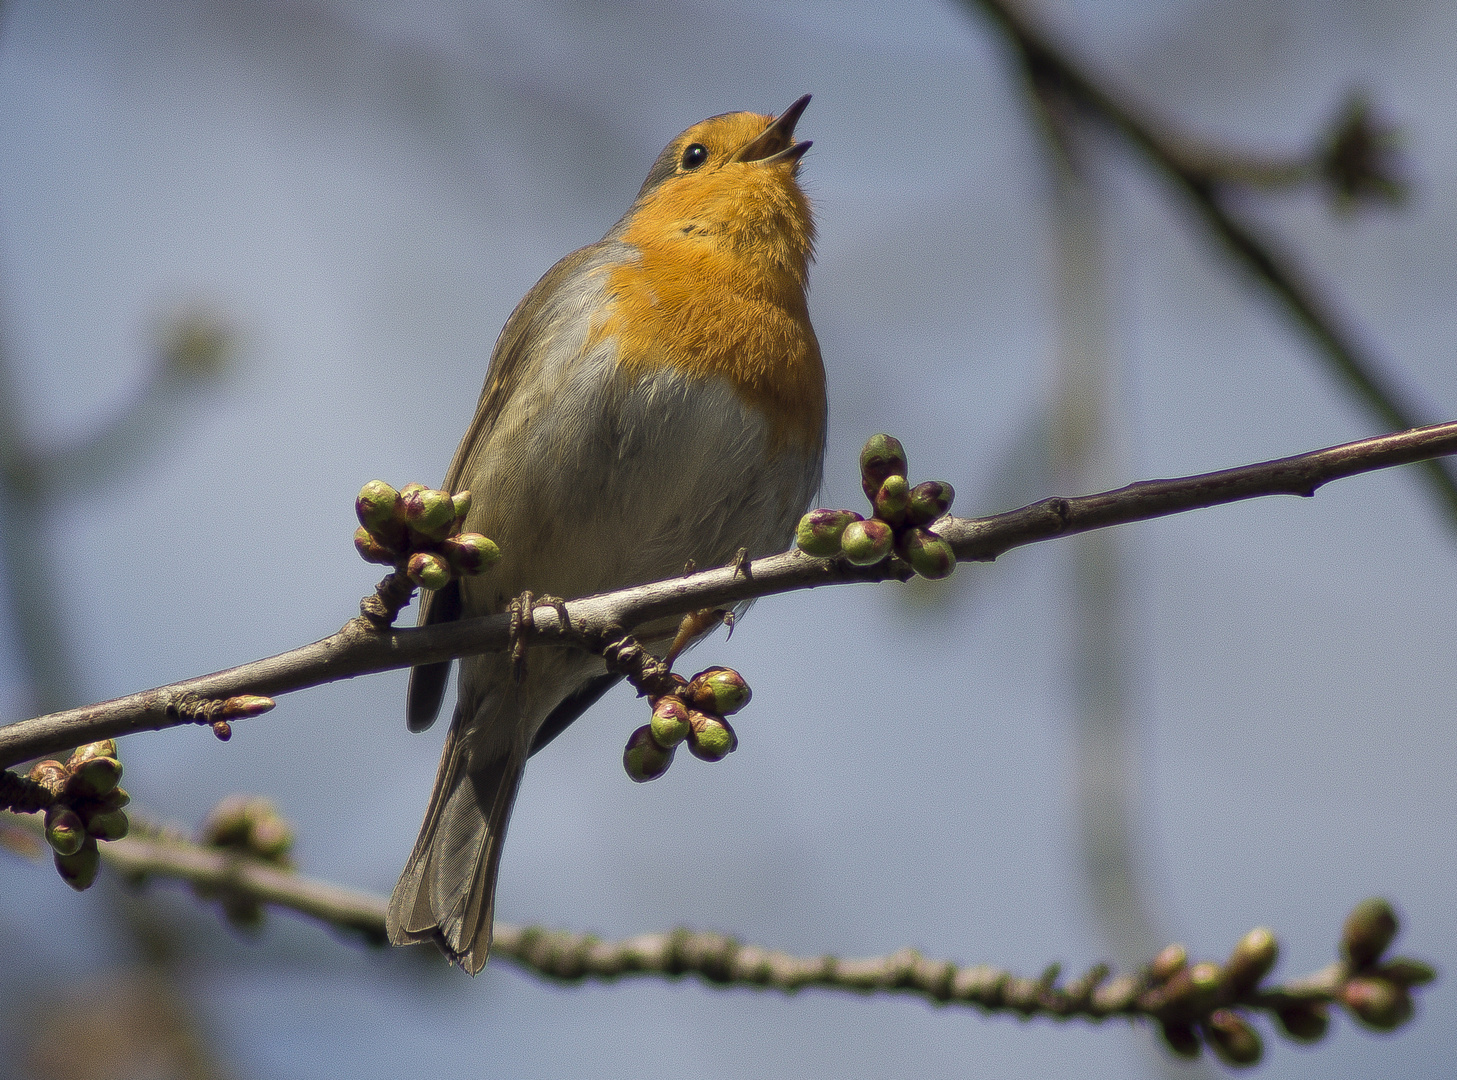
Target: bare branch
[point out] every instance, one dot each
(595, 621)
(1167, 991)
(1204, 176)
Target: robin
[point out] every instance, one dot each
(657, 397)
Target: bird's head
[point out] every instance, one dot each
(731, 182)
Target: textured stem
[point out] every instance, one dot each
(360, 649)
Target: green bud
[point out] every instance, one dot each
(470, 553)
(79, 870)
(720, 691)
(1233, 1040)
(428, 570)
(1369, 929)
(377, 505)
(867, 542)
(882, 456)
(1206, 979)
(108, 824)
(1117, 994)
(104, 748)
(929, 501)
(712, 739)
(1378, 1004)
(1171, 960)
(94, 777)
(929, 555)
(1404, 971)
(112, 800)
(371, 550)
(270, 837)
(670, 721)
(242, 706)
(429, 512)
(1180, 1038)
(64, 829)
(460, 501)
(1306, 1022)
(892, 498)
(819, 531)
(1251, 960)
(251, 825)
(644, 759)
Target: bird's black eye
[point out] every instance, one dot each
(694, 156)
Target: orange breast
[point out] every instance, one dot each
(719, 292)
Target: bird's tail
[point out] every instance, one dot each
(447, 891)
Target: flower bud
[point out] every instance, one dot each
(1180, 1038)
(644, 759)
(712, 739)
(377, 506)
(867, 542)
(104, 748)
(429, 512)
(1404, 971)
(108, 824)
(1376, 1003)
(720, 691)
(64, 829)
(1251, 960)
(371, 550)
(428, 570)
(1171, 960)
(79, 870)
(1233, 1040)
(460, 502)
(892, 498)
(882, 456)
(243, 706)
(1306, 1022)
(670, 721)
(929, 555)
(1368, 931)
(114, 799)
(819, 531)
(470, 553)
(929, 501)
(94, 777)
(51, 775)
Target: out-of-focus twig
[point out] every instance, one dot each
(1207, 177)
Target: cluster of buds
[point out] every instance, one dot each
(900, 522)
(87, 807)
(1377, 993)
(417, 531)
(693, 713)
(1360, 161)
(1205, 1003)
(253, 827)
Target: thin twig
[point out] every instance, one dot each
(1199, 172)
(595, 621)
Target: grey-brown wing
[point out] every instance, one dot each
(509, 360)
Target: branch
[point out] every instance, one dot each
(1169, 991)
(1200, 174)
(595, 621)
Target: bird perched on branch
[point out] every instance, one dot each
(656, 397)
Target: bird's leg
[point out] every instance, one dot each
(520, 613)
(741, 562)
(694, 624)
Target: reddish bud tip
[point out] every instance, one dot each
(712, 739)
(670, 721)
(882, 456)
(470, 553)
(1377, 1003)
(1369, 929)
(644, 759)
(929, 501)
(1233, 1040)
(867, 542)
(428, 570)
(429, 512)
(892, 498)
(720, 691)
(65, 831)
(819, 531)
(1171, 960)
(1252, 958)
(929, 555)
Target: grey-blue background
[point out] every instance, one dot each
(366, 189)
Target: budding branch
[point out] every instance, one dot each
(361, 648)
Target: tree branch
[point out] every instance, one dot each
(1167, 991)
(1206, 182)
(359, 648)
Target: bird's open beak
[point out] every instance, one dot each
(776, 142)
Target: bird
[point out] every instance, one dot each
(656, 400)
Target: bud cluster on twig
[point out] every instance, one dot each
(249, 826)
(85, 806)
(900, 522)
(417, 531)
(694, 712)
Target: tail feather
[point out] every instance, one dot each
(447, 891)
